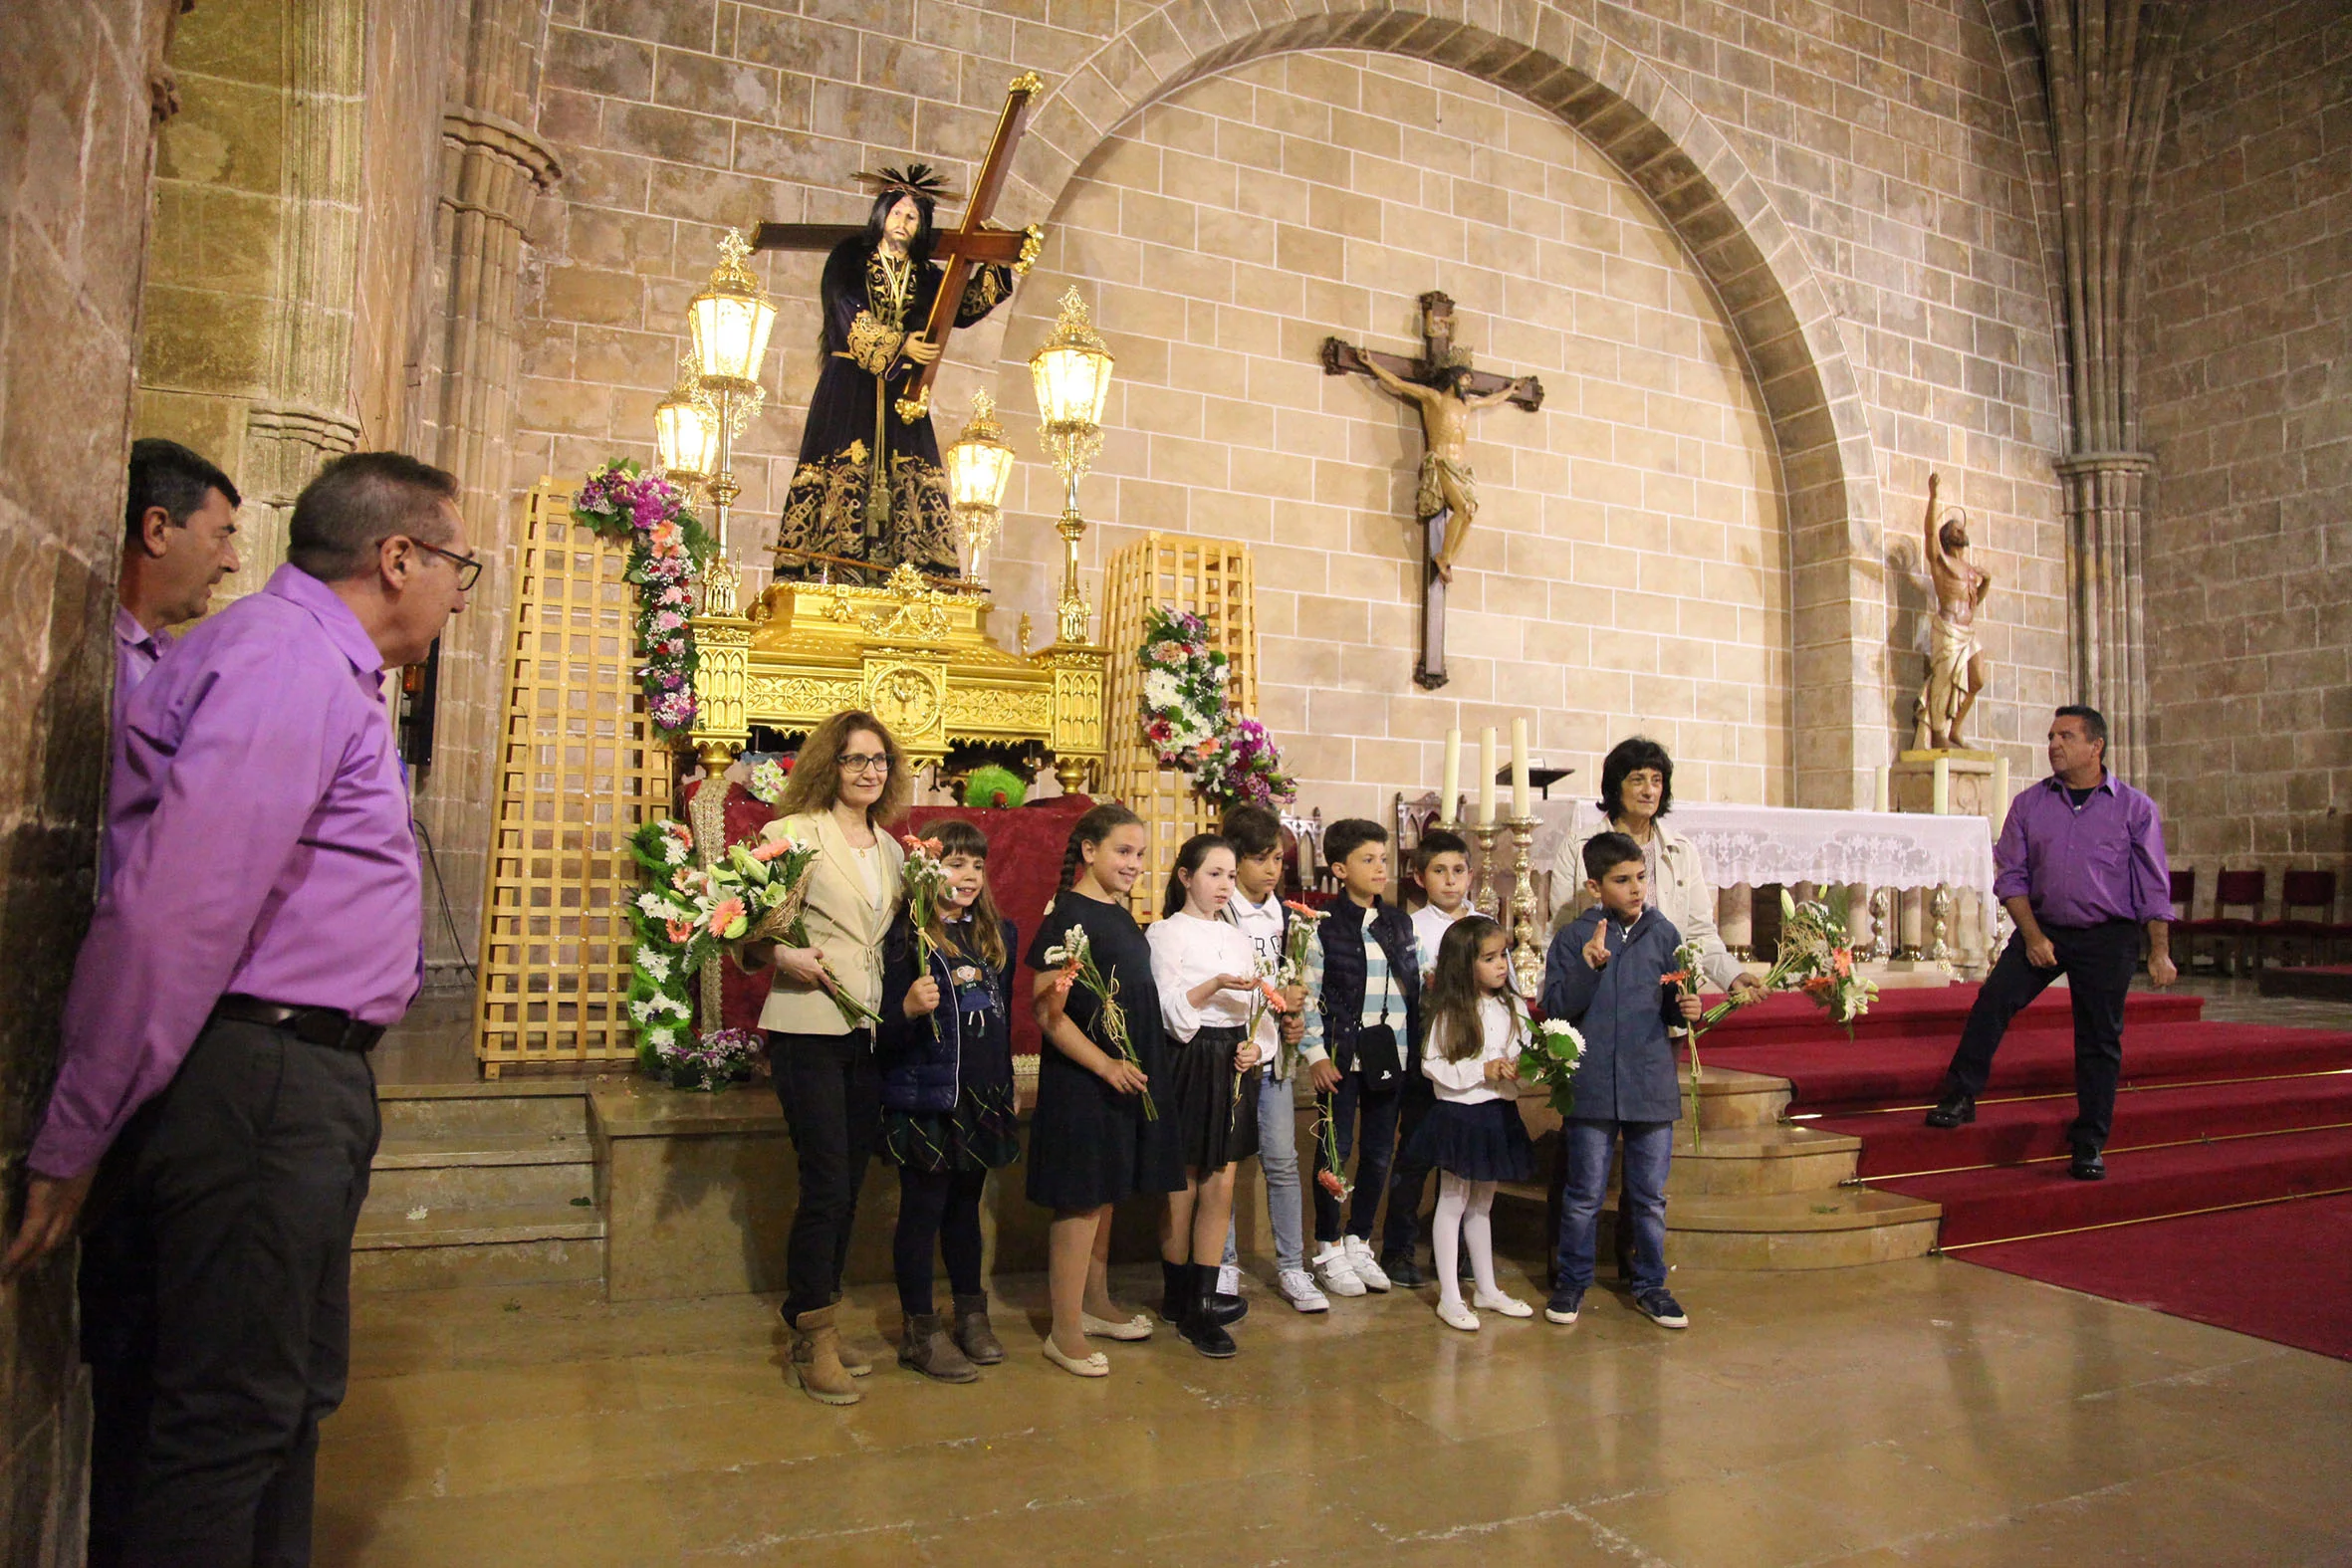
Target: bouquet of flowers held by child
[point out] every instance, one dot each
(1076, 956)
(1817, 958)
(1554, 1051)
(1264, 999)
(925, 881)
(1298, 942)
(759, 893)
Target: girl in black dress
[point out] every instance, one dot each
(1091, 1142)
(948, 1117)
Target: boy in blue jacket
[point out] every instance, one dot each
(1606, 973)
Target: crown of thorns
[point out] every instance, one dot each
(916, 179)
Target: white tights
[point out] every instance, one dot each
(1462, 1206)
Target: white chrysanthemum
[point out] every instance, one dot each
(656, 967)
(652, 904)
(1161, 690)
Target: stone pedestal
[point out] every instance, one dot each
(1967, 931)
(1912, 786)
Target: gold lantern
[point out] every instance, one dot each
(730, 321)
(979, 465)
(686, 431)
(1071, 375)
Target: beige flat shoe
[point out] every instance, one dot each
(1097, 1365)
(1136, 1327)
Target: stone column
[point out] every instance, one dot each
(492, 169)
(2109, 71)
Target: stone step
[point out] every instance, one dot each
(1832, 1229)
(1742, 1161)
(1732, 1098)
(450, 1112)
(483, 1171)
(519, 1244)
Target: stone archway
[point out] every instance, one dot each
(1777, 310)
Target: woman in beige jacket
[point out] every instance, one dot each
(849, 785)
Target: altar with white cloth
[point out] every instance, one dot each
(1941, 867)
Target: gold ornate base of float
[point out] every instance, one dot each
(917, 656)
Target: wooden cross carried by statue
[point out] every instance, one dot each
(1447, 390)
(976, 242)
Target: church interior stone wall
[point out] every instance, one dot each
(2246, 371)
(75, 148)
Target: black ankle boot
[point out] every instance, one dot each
(1176, 1292)
(1198, 1327)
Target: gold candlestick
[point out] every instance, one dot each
(1526, 955)
(1484, 900)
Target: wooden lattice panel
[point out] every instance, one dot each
(1214, 580)
(579, 770)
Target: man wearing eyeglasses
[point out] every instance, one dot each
(259, 930)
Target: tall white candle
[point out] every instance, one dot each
(1485, 776)
(1521, 806)
(1942, 804)
(2000, 793)
(1449, 800)
(1881, 796)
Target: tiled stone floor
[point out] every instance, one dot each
(1916, 1412)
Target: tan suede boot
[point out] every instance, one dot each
(822, 1376)
(973, 1333)
(928, 1349)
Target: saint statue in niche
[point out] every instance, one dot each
(1956, 664)
(868, 487)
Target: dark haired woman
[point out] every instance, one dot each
(1090, 1141)
(868, 486)
(1636, 792)
(948, 1117)
(1207, 974)
(845, 788)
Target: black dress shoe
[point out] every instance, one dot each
(2086, 1166)
(1227, 1309)
(1402, 1272)
(1954, 1110)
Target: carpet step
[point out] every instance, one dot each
(2012, 1132)
(1789, 1019)
(1833, 1077)
(2010, 1203)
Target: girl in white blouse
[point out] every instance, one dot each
(1472, 1134)
(1206, 973)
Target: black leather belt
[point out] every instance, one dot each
(315, 1026)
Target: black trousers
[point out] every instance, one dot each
(1408, 1178)
(216, 1301)
(831, 1091)
(937, 1208)
(2097, 962)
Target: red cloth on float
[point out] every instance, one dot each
(1024, 847)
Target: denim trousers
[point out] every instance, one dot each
(1277, 1158)
(1377, 1114)
(1649, 1146)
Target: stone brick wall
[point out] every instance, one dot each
(1855, 251)
(2246, 382)
(75, 158)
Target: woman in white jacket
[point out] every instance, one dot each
(1636, 792)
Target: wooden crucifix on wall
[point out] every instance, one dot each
(1446, 390)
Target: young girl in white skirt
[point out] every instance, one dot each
(1473, 1135)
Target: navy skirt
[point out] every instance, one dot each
(1481, 1142)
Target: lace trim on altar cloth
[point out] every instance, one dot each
(825, 513)
(1759, 845)
(872, 345)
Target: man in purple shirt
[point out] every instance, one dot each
(259, 930)
(2081, 869)
(179, 539)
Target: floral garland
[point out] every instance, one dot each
(1188, 718)
(1183, 687)
(666, 545)
(660, 1002)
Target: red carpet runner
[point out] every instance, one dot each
(2212, 1116)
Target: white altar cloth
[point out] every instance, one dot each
(1757, 845)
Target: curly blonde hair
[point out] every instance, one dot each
(815, 780)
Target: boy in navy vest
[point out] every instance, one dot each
(1606, 973)
(1363, 1036)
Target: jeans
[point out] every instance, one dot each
(831, 1092)
(1378, 1113)
(2097, 962)
(1649, 1146)
(1409, 1177)
(216, 1299)
(1278, 1159)
(942, 1209)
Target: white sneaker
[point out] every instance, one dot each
(1297, 1288)
(1331, 1267)
(1367, 1268)
(1508, 1306)
(1455, 1315)
(1229, 1280)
